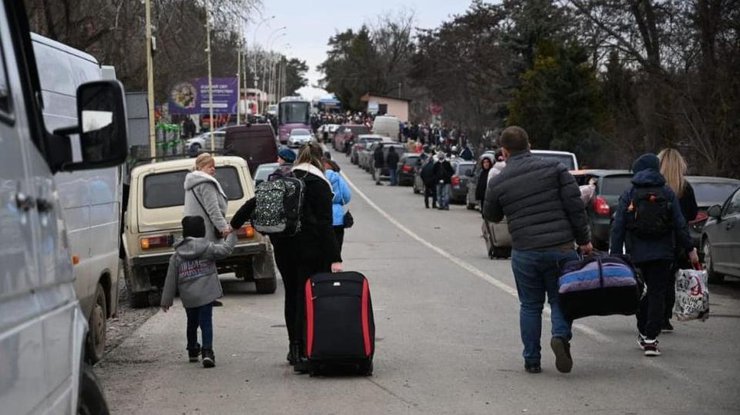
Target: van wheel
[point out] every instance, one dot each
(96, 334)
(266, 286)
(91, 400)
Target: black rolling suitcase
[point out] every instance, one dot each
(340, 328)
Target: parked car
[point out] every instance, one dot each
(407, 166)
(363, 141)
(610, 184)
(348, 132)
(203, 141)
(720, 240)
(255, 143)
(152, 225)
(459, 182)
(299, 137)
(384, 172)
(709, 191)
(263, 171)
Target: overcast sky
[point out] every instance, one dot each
(309, 25)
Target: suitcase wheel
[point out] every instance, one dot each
(366, 368)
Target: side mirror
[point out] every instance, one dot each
(101, 124)
(714, 211)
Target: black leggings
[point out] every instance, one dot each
(294, 273)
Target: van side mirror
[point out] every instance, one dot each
(101, 124)
(714, 211)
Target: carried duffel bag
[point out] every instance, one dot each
(599, 285)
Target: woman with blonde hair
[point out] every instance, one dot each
(205, 197)
(673, 168)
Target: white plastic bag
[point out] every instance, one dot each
(692, 295)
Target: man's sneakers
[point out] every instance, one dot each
(649, 346)
(194, 354)
(209, 360)
(532, 367)
(563, 359)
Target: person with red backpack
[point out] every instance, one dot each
(649, 223)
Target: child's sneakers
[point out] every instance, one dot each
(194, 353)
(649, 346)
(209, 360)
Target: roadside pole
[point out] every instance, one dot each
(150, 79)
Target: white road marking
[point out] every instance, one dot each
(594, 334)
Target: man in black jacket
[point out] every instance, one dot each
(379, 162)
(542, 203)
(443, 173)
(391, 161)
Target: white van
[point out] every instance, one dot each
(42, 327)
(90, 199)
(388, 126)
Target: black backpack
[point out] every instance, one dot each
(649, 215)
(279, 203)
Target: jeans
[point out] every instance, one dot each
(200, 317)
(443, 195)
(650, 315)
(393, 176)
(536, 274)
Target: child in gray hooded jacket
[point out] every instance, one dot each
(192, 271)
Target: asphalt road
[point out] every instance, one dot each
(447, 339)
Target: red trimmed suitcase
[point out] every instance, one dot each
(340, 328)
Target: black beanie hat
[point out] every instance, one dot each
(193, 226)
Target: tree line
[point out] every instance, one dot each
(607, 79)
(113, 31)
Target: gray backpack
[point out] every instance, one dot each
(278, 206)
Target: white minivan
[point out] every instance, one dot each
(387, 126)
(90, 199)
(42, 327)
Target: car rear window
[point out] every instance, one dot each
(615, 185)
(707, 193)
(163, 190)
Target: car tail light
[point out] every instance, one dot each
(245, 232)
(699, 221)
(455, 180)
(159, 241)
(406, 168)
(601, 207)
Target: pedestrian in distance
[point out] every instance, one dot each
(378, 162)
(546, 219)
(649, 222)
(673, 168)
(443, 173)
(391, 162)
(192, 273)
(482, 184)
(430, 185)
(342, 197)
(312, 250)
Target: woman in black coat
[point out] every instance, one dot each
(312, 250)
(480, 188)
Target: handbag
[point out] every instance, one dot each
(348, 220)
(216, 230)
(692, 295)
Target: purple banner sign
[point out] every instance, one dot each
(192, 97)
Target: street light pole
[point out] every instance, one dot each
(150, 79)
(238, 82)
(254, 59)
(210, 81)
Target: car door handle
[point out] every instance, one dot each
(24, 202)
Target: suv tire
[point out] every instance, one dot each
(95, 345)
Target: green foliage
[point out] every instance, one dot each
(559, 102)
